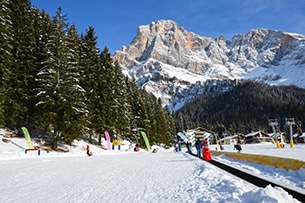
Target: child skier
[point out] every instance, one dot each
(137, 148)
(88, 151)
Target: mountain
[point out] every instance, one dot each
(177, 65)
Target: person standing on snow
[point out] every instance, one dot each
(221, 147)
(189, 146)
(88, 151)
(206, 150)
(237, 146)
(137, 148)
(198, 147)
(205, 142)
(179, 146)
(175, 146)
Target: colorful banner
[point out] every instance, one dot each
(145, 140)
(207, 135)
(191, 138)
(180, 134)
(27, 137)
(108, 140)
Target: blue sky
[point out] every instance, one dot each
(116, 21)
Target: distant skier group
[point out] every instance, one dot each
(177, 145)
(203, 147)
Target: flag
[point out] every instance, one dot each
(180, 134)
(108, 140)
(27, 137)
(145, 140)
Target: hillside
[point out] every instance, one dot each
(246, 107)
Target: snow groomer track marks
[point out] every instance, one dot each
(260, 181)
(296, 192)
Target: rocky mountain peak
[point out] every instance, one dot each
(168, 60)
(165, 42)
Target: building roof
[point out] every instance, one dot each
(260, 133)
(228, 138)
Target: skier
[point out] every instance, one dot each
(189, 146)
(238, 147)
(220, 146)
(175, 146)
(179, 146)
(198, 147)
(88, 151)
(137, 148)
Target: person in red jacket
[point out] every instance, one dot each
(137, 148)
(88, 151)
(206, 152)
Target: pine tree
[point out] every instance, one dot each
(135, 102)
(92, 82)
(22, 71)
(143, 120)
(161, 128)
(43, 29)
(111, 105)
(171, 128)
(60, 95)
(151, 124)
(75, 109)
(6, 59)
(122, 105)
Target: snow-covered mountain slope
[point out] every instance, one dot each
(177, 65)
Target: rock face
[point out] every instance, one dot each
(170, 61)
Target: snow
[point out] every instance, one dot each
(127, 176)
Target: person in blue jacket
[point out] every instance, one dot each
(198, 146)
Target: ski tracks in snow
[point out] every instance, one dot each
(120, 177)
(207, 181)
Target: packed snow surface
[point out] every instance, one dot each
(128, 176)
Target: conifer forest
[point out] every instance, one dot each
(62, 87)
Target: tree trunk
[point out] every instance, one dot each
(99, 139)
(55, 143)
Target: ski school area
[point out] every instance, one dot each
(288, 158)
(33, 148)
(183, 142)
(116, 173)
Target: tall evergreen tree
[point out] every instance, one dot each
(6, 59)
(75, 97)
(21, 74)
(91, 81)
(171, 128)
(60, 95)
(43, 28)
(151, 115)
(108, 96)
(143, 120)
(135, 101)
(161, 128)
(122, 105)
